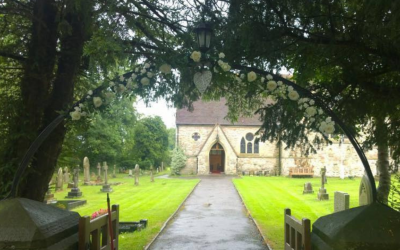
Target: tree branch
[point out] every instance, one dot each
(12, 56)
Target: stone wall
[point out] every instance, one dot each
(337, 158)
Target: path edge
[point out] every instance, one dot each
(170, 218)
(251, 217)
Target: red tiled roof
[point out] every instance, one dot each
(211, 113)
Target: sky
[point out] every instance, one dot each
(158, 109)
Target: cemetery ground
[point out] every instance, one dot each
(267, 197)
(155, 201)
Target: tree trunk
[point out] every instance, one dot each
(383, 160)
(46, 157)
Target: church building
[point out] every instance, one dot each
(213, 144)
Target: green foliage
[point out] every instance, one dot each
(394, 196)
(171, 138)
(151, 142)
(178, 161)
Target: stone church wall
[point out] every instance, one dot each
(196, 141)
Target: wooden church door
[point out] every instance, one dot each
(217, 159)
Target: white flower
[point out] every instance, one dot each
(195, 56)
(312, 102)
(305, 105)
(121, 78)
(269, 77)
(111, 84)
(145, 81)
(328, 119)
(293, 95)
(329, 128)
(220, 62)
(150, 75)
(77, 109)
(311, 111)
(147, 65)
(90, 92)
(280, 83)
(133, 76)
(226, 67)
(165, 69)
(242, 76)
(88, 97)
(97, 101)
(76, 115)
(262, 79)
(143, 71)
(221, 55)
(251, 76)
(271, 85)
(81, 105)
(83, 113)
(290, 88)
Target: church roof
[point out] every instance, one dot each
(211, 113)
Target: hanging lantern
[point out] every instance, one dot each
(203, 35)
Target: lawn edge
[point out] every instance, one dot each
(172, 216)
(252, 219)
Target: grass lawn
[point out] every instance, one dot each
(267, 197)
(153, 201)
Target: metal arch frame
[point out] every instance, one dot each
(328, 111)
(47, 131)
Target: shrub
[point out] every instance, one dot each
(178, 161)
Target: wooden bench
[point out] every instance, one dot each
(297, 234)
(94, 234)
(301, 171)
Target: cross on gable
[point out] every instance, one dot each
(196, 136)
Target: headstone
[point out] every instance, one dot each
(60, 179)
(75, 192)
(137, 170)
(114, 175)
(151, 174)
(66, 175)
(341, 201)
(86, 170)
(323, 170)
(106, 187)
(365, 191)
(162, 166)
(130, 173)
(308, 188)
(322, 195)
(157, 171)
(99, 169)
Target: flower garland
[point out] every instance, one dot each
(145, 75)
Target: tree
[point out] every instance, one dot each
(178, 161)
(171, 138)
(345, 49)
(151, 142)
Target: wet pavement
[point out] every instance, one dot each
(213, 217)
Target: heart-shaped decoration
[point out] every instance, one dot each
(202, 80)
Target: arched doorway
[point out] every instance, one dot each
(217, 159)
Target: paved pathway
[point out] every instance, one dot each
(213, 217)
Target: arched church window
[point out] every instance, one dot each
(249, 147)
(256, 146)
(242, 146)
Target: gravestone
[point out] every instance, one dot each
(151, 174)
(341, 201)
(322, 195)
(130, 173)
(106, 187)
(157, 171)
(324, 171)
(86, 171)
(75, 192)
(162, 166)
(114, 175)
(137, 170)
(66, 175)
(308, 188)
(98, 169)
(60, 179)
(365, 191)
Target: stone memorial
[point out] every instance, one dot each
(322, 195)
(365, 192)
(157, 170)
(106, 187)
(86, 171)
(151, 174)
(114, 175)
(162, 166)
(308, 188)
(75, 192)
(60, 179)
(99, 169)
(130, 173)
(341, 201)
(66, 175)
(137, 171)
